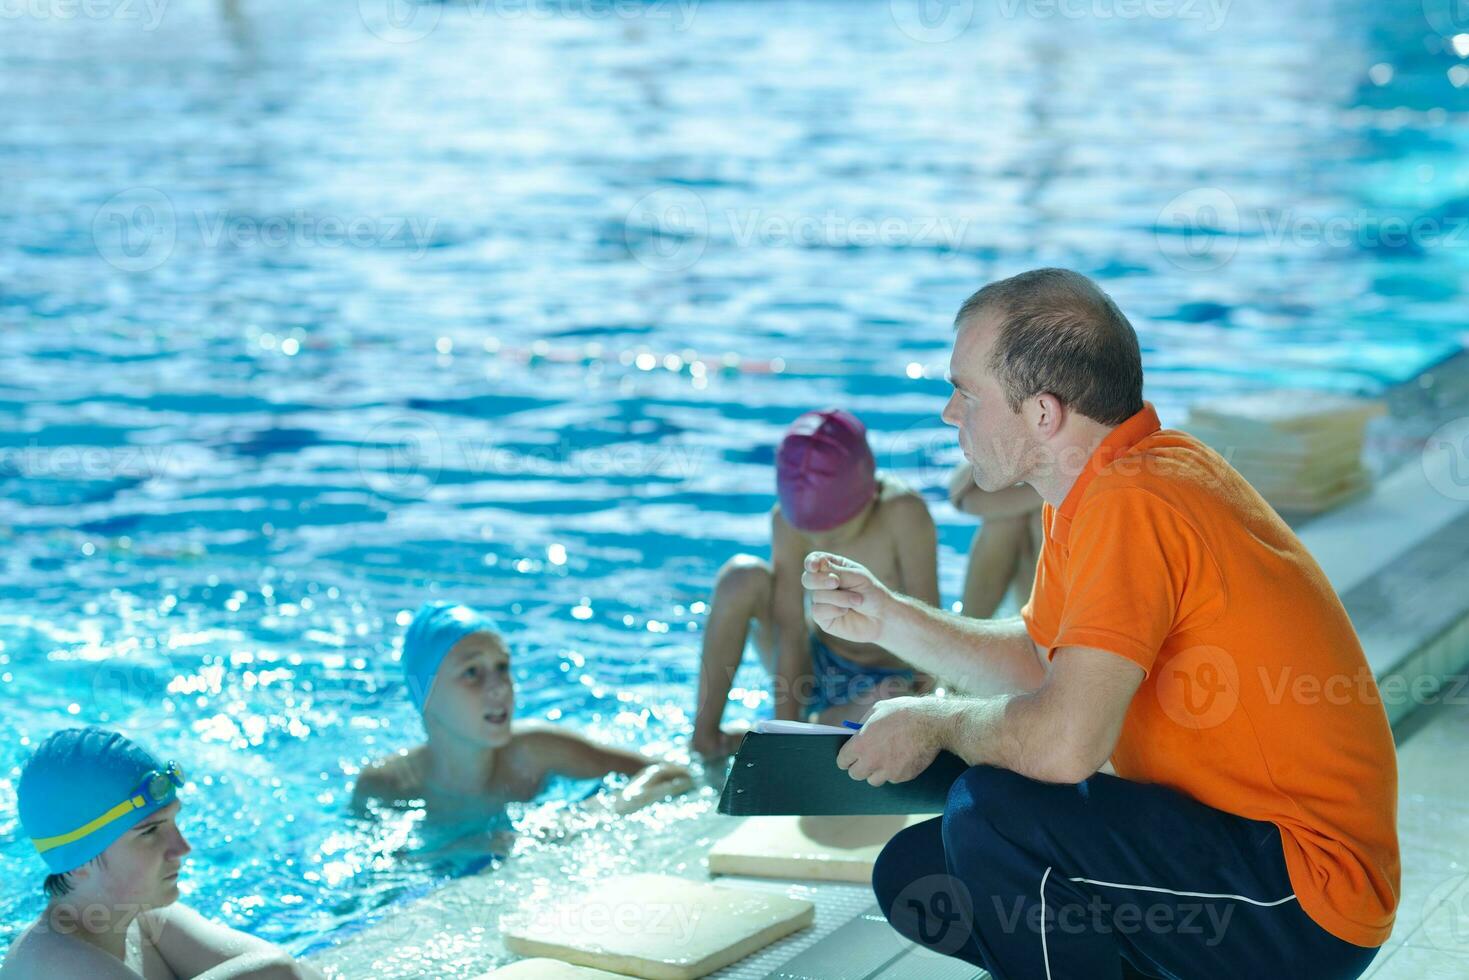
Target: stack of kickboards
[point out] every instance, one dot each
(1302, 450)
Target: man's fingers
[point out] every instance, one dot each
(826, 567)
(817, 559)
(837, 597)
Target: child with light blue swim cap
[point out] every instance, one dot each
(477, 758)
(100, 810)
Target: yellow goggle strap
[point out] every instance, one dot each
(44, 844)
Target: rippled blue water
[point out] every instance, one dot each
(300, 326)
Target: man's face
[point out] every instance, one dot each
(994, 439)
(141, 868)
(474, 696)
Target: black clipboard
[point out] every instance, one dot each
(797, 775)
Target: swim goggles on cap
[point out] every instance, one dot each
(157, 787)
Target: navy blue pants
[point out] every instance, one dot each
(1101, 880)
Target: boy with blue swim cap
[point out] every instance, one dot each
(100, 810)
(477, 759)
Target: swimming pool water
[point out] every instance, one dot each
(300, 326)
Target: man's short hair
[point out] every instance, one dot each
(1060, 334)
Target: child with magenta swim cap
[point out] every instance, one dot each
(830, 497)
(101, 811)
(477, 757)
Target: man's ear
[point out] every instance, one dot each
(1050, 414)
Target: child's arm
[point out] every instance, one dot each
(994, 557)
(918, 548)
(788, 601)
(577, 757)
(1009, 502)
(192, 946)
(918, 558)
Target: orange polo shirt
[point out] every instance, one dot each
(1258, 699)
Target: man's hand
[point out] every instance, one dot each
(898, 740)
(847, 600)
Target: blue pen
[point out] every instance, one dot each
(855, 726)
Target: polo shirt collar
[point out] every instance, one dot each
(1117, 443)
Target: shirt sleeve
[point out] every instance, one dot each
(1130, 555)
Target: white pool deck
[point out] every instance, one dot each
(1399, 558)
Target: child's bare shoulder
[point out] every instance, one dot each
(899, 505)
